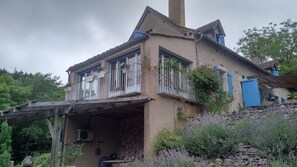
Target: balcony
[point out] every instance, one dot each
(107, 84)
(173, 83)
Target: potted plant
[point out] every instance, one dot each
(100, 72)
(125, 67)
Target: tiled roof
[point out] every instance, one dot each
(108, 52)
(211, 26)
(164, 18)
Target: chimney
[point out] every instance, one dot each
(177, 12)
(255, 58)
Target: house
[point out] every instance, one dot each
(136, 69)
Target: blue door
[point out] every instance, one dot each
(250, 93)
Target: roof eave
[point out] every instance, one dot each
(108, 53)
(235, 54)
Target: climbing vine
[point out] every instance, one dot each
(207, 90)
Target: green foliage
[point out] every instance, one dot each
(5, 145)
(219, 102)
(277, 41)
(280, 136)
(12, 91)
(283, 162)
(274, 136)
(244, 130)
(29, 137)
(293, 95)
(42, 160)
(19, 87)
(211, 140)
(167, 139)
(72, 152)
(289, 67)
(206, 88)
(168, 158)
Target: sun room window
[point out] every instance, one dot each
(88, 84)
(173, 76)
(125, 74)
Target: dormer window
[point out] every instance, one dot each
(218, 37)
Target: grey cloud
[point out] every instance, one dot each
(51, 35)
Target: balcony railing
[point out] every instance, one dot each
(174, 83)
(102, 85)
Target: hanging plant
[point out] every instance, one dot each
(125, 67)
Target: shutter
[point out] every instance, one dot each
(230, 84)
(222, 40)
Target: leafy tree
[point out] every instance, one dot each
(5, 145)
(18, 87)
(12, 91)
(277, 41)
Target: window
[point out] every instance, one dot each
(125, 74)
(88, 84)
(225, 79)
(172, 78)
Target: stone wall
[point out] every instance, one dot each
(131, 138)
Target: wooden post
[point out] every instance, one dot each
(55, 132)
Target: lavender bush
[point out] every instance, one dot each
(168, 158)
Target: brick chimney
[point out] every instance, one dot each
(177, 12)
(255, 58)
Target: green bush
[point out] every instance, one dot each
(277, 136)
(245, 130)
(42, 160)
(5, 144)
(167, 139)
(168, 158)
(219, 102)
(206, 90)
(211, 140)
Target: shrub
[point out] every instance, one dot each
(219, 102)
(42, 160)
(72, 151)
(245, 130)
(206, 89)
(277, 136)
(168, 158)
(166, 139)
(5, 144)
(212, 140)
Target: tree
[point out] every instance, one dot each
(277, 41)
(5, 145)
(19, 87)
(12, 91)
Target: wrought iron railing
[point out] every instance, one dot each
(174, 83)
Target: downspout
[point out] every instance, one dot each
(196, 47)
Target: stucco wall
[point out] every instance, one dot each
(161, 112)
(209, 55)
(156, 25)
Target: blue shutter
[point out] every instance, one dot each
(230, 84)
(222, 40)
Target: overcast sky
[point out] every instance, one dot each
(48, 36)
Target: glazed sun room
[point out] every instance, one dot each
(122, 77)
